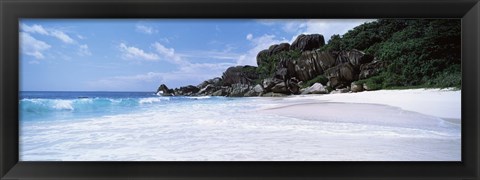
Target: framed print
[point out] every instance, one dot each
(227, 89)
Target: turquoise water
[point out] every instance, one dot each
(51, 106)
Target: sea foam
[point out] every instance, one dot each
(226, 129)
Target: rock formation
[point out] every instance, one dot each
(308, 42)
(239, 74)
(164, 91)
(316, 88)
(298, 63)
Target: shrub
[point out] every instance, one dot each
(319, 79)
(419, 51)
(451, 77)
(374, 83)
(268, 67)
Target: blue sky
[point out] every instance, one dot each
(141, 54)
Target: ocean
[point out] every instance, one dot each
(142, 126)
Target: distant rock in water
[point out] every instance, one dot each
(164, 91)
(308, 42)
(187, 90)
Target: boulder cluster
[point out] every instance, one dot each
(341, 68)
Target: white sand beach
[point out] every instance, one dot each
(443, 103)
(412, 125)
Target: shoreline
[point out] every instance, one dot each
(441, 103)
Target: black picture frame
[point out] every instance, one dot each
(12, 10)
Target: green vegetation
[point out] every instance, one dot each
(374, 83)
(269, 63)
(419, 52)
(319, 79)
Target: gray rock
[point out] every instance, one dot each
(263, 55)
(239, 90)
(280, 88)
(341, 75)
(342, 90)
(269, 83)
(356, 87)
(272, 94)
(307, 66)
(220, 92)
(239, 74)
(258, 88)
(164, 90)
(311, 64)
(187, 90)
(358, 58)
(354, 57)
(316, 88)
(215, 81)
(325, 59)
(308, 42)
(371, 69)
(251, 93)
(208, 90)
(277, 48)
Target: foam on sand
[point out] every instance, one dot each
(298, 128)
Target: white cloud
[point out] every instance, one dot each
(249, 37)
(258, 44)
(294, 26)
(186, 72)
(189, 70)
(126, 83)
(130, 52)
(31, 46)
(39, 29)
(62, 36)
(331, 27)
(34, 29)
(145, 29)
(84, 51)
(168, 53)
(326, 27)
(212, 54)
(189, 74)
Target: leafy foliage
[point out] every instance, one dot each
(319, 79)
(374, 83)
(269, 64)
(419, 52)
